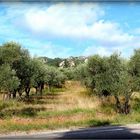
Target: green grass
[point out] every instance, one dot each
(20, 112)
(54, 90)
(83, 123)
(65, 113)
(6, 108)
(9, 103)
(133, 117)
(16, 127)
(8, 127)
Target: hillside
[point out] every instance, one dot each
(64, 62)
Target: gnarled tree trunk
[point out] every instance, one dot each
(123, 108)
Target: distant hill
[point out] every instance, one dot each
(64, 62)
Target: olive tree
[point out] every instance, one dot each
(134, 69)
(9, 82)
(96, 67)
(19, 60)
(81, 73)
(60, 79)
(120, 82)
(69, 72)
(111, 77)
(25, 71)
(40, 75)
(54, 77)
(10, 52)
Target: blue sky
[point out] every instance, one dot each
(72, 29)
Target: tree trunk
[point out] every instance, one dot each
(41, 88)
(36, 90)
(14, 94)
(123, 108)
(20, 93)
(118, 105)
(27, 90)
(126, 105)
(9, 95)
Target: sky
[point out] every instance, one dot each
(72, 29)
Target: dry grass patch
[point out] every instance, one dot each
(71, 107)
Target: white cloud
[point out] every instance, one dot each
(124, 49)
(51, 50)
(71, 20)
(96, 50)
(77, 21)
(136, 31)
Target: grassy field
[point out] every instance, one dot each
(70, 107)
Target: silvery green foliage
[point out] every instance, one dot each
(109, 74)
(134, 69)
(8, 79)
(54, 77)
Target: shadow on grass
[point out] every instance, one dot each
(38, 99)
(93, 123)
(3, 105)
(24, 112)
(30, 111)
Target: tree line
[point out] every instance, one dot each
(112, 76)
(20, 72)
(104, 76)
